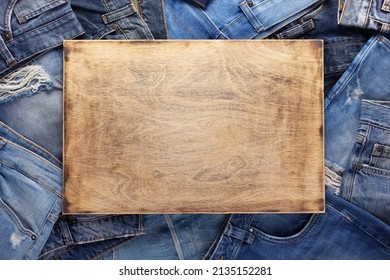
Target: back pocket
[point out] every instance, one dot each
(25, 10)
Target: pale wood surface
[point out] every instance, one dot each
(193, 126)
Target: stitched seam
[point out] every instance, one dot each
(31, 178)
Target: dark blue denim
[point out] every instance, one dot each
(119, 19)
(345, 231)
(29, 28)
(341, 44)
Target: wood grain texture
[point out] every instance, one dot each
(193, 126)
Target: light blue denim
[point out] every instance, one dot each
(367, 14)
(30, 28)
(30, 196)
(232, 19)
(357, 131)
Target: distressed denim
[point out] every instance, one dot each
(367, 14)
(29, 28)
(30, 196)
(344, 231)
(357, 131)
(171, 237)
(89, 236)
(341, 44)
(232, 19)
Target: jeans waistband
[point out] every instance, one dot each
(11, 135)
(365, 14)
(375, 112)
(259, 20)
(31, 165)
(29, 29)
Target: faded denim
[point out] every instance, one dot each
(25, 179)
(367, 14)
(341, 44)
(29, 28)
(344, 231)
(357, 131)
(232, 19)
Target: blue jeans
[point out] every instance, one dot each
(30, 195)
(341, 44)
(29, 28)
(345, 231)
(366, 14)
(232, 19)
(89, 236)
(357, 131)
(171, 237)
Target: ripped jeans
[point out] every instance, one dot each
(357, 129)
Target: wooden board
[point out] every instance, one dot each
(193, 126)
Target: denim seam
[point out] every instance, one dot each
(276, 28)
(296, 237)
(31, 178)
(351, 221)
(37, 29)
(355, 66)
(317, 11)
(163, 18)
(8, 15)
(42, 226)
(217, 239)
(70, 247)
(212, 23)
(89, 220)
(111, 248)
(378, 21)
(367, 13)
(356, 160)
(371, 124)
(40, 11)
(175, 239)
(8, 129)
(375, 170)
(15, 219)
(34, 155)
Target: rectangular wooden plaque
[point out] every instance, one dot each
(193, 126)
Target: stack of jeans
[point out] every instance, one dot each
(356, 224)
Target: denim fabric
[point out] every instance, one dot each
(341, 44)
(345, 231)
(356, 156)
(38, 114)
(368, 14)
(29, 28)
(152, 12)
(77, 237)
(25, 179)
(171, 237)
(110, 19)
(89, 236)
(232, 19)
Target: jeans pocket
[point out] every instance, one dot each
(26, 10)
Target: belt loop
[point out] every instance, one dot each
(65, 231)
(6, 54)
(246, 236)
(247, 10)
(112, 16)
